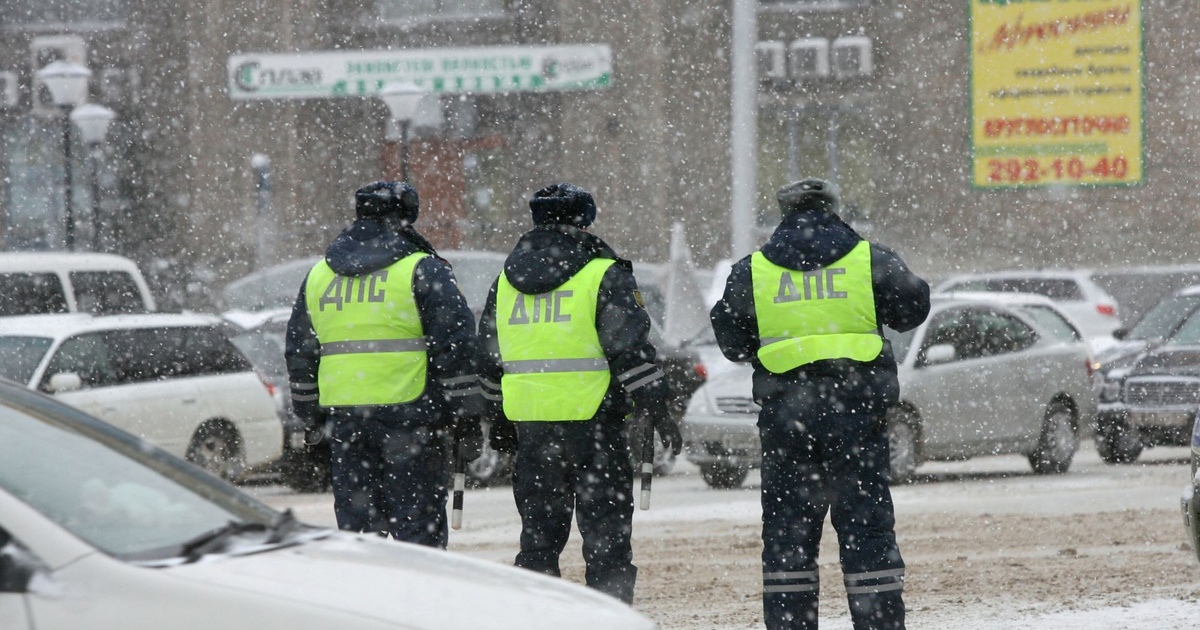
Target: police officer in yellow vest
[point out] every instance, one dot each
(807, 311)
(565, 360)
(380, 354)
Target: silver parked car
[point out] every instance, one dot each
(986, 374)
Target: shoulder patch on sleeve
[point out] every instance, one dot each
(637, 297)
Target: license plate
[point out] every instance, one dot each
(747, 443)
(1160, 418)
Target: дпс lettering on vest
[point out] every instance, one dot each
(818, 285)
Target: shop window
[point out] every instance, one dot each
(35, 13)
(403, 10)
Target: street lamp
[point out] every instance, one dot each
(404, 101)
(67, 83)
(92, 120)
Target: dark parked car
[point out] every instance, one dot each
(1150, 399)
(261, 338)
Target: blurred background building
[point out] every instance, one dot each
(201, 187)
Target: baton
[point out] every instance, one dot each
(647, 463)
(460, 484)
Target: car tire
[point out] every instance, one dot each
(723, 476)
(1058, 441)
(217, 448)
(1117, 443)
(903, 449)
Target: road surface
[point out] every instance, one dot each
(987, 544)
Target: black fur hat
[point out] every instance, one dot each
(383, 200)
(565, 204)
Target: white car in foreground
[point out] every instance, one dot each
(99, 529)
(175, 380)
(985, 374)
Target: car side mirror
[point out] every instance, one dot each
(1120, 333)
(64, 382)
(939, 353)
(16, 566)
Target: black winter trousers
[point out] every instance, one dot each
(581, 469)
(389, 480)
(817, 460)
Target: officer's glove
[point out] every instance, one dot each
(502, 437)
(316, 431)
(468, 438)
(668, 431)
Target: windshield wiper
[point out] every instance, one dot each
(212, 540)
(284, 525)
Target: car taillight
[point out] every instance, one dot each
(1106, 309)
(269, 387)
(1089, 366)
(701, 371)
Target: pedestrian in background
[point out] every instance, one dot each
(565, 360)
(807, 311)
(380, 352)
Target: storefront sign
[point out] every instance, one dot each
(489, 69)
(1056, 92)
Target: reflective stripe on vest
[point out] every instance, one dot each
(373, 349)
(807, 316)
(554, 366)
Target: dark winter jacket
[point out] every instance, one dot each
(806, 241)
(451, 386)
(543, 259)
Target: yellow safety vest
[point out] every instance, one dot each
(807, 316)
(554, 366)
(373, 349)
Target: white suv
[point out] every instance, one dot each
(1088, 305)
(175, 380)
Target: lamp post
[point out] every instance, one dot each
(404, 101)
(67, 83)
(92, 121)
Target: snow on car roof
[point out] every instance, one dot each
(57, 326)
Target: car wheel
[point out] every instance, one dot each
(490, 467)
(902, 448)
(723, 476)
(1117, 443)
(1058, 442)
(216, 447)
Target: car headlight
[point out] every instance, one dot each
(1111, 392)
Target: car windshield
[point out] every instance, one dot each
(1159, 321)
(900, 342)
(20, 356)
(1188, 333)
(1052, 321)
(115, 492)
(264, 347)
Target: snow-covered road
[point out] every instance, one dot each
(988, 545)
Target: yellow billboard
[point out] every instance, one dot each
(1056, 92)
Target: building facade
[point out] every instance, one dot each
(874, 95)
